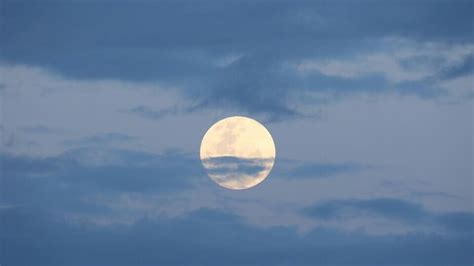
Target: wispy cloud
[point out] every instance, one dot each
(293, 169)
(147, 112)
(391, 209)
(404, 64)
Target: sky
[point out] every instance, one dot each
(104, 105)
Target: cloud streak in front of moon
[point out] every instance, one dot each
(238, 173)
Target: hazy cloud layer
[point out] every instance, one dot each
(211, 237)
(82, 178)
(104, 106)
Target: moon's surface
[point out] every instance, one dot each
(237, 152)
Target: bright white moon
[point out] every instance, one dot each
(237, 152)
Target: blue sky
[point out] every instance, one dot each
(104, 105)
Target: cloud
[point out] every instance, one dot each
(293, 169)
(462, 222)
(87, 201)
(64, 183)
(283, 168)
(235, 57)
(212, 237)
(391, 209)
(463, 68)
(406, 66)
(4, 207)
(74, 110)
(147, 112)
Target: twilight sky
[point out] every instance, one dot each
(104, 105)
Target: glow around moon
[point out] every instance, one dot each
(237, 152)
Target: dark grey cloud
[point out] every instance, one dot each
(60, 183)
(164, 29)
(211, 237)
(392, 209)
(222, 54)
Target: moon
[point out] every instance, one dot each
(237, 152)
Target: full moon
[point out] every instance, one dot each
(237, 152)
